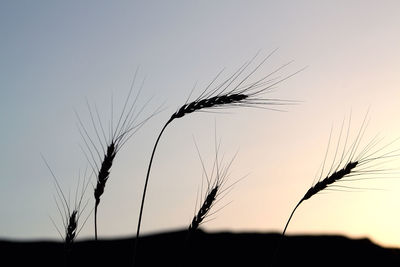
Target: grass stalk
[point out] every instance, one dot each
(70, 215)
(232, 92)
(126, 126)
(353, 165)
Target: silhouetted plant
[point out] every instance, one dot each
(353, 165)
(110, 143)
(216, 180)
(70, 215)
(236, 91)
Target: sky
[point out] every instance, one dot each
(57, 56)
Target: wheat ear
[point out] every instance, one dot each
(355, 164)
(216, 181)
(102, 178)
(71, 228)
(70, 217)
(126, 126)
(204, 209)
(234, 91)
(321, 185)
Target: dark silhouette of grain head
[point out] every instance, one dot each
(102, 148)
(239, 90)
(216, 187)
(356, 163)
(70, 213)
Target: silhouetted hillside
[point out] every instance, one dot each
(204, 249)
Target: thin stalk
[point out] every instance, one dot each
(145, 189)
(283, 233)
(291, 215)
(95, 221)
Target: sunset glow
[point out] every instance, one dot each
(56, 56)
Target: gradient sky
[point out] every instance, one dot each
(54, 55)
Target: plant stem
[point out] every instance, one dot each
(283, 234)
(145, 189)
(291, 215)
(95, 221)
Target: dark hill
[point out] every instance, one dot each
(204, 249)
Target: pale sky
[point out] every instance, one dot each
(54, 55)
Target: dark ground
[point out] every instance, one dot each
(204, 249)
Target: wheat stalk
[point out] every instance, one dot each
(215, 190)
(102, 178)
(127, 125)
(70, 217)
(321, 185)
(353, 165)
(232, 92)
(216, 185)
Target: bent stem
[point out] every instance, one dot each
(291, 215)
(145, 189)
(283, 233)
